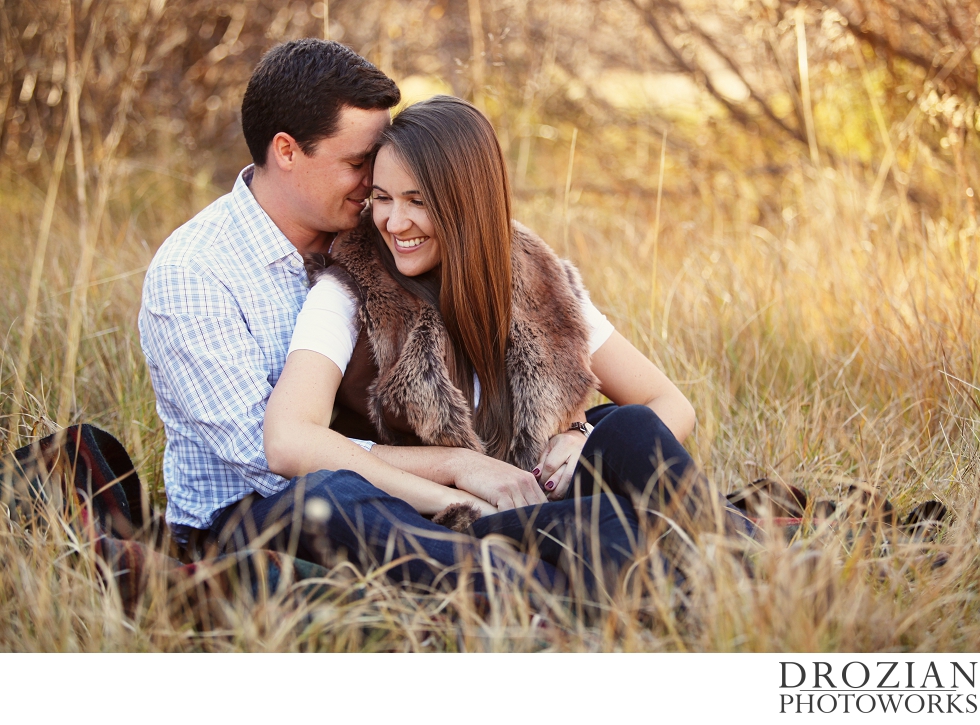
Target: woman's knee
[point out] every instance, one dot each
(629, 419)
(633, 430)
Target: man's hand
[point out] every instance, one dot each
(496, 482)
(558, 463)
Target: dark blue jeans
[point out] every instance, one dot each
(636, 457)
(586, 541)
(589, 540)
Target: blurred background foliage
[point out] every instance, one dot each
(889, 87)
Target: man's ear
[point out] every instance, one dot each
(284, 150)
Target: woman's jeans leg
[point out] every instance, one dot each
(328, 511)
(589, 540)
(635, 455)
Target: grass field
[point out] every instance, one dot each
(819, 310)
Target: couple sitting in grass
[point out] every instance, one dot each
(358, 350)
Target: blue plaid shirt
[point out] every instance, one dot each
(220, 301)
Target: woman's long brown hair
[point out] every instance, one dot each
(453, 153)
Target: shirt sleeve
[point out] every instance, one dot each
(600, 328)
(328, 323)
(207, 364)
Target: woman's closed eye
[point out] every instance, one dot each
(381, 197)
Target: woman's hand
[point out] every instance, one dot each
(557, 464)
(499, 483)
(485, 508)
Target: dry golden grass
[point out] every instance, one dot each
(824, 324)
(815, 359)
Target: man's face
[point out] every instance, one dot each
(331, 184)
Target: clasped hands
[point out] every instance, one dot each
(505, 486)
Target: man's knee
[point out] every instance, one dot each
(310, 501)
(343, 504)
(344, 490)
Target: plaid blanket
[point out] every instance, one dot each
(85, 476)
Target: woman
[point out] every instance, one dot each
(455, 340)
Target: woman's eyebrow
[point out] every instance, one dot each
(410, 192)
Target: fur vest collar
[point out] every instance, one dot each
(410, 389)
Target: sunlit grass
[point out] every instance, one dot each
(824, 351)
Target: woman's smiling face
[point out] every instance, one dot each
(401, 217)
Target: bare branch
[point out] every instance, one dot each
(738, 113)
(860, 29)
(753, 93)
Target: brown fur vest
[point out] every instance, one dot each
(397, 388)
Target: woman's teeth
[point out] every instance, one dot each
(408, 243)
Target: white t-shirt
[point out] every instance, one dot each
(329, 324)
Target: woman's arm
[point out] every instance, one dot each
(627, 377)
(503, 485)
(298, 439)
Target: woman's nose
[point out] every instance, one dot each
(398, 221)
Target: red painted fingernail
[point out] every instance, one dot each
(536, 472)
(550, 485)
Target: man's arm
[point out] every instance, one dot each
(209, 369)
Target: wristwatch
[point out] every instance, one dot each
(585, 428)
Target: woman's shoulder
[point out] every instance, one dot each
(538, 270)
(532, 256)
(334, 288)
(527, 240)
(329, 322)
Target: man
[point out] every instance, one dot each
(220, 301)
(221, 297)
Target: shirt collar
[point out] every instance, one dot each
(267, 240)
